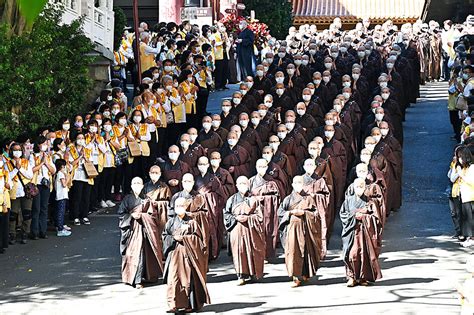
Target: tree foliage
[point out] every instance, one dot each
(43, 74)
(277, 14)
(120, 20)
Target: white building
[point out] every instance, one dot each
(98, 20)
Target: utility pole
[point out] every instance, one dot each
(137, 40)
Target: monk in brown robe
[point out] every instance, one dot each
(173, 169)
(195, 207)
(190, 153)
(262, 130)
(186, 263)
(209, 187)
(280, 158)
(208, 138)
(294, 146)
(248, 138)
(140, 244)
(361, 230)
(337, 155)
(158, 192)
(226, 180)
(244, 222)
(300, 234)
(217, 128)
(316, 187)
(266, 192)
(275, 172)
(235, 158)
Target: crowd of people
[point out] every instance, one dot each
(314, 131)
(459, 44)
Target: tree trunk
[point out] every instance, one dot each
(10, 14)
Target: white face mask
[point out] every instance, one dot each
(122, 121)
(281, 54)
(309, 169)
(328, 65)
(385, 96)
(236, 100)
(265, 69)
(355, 76)
(137, 188)
(81, 142)
(17, 154)
(281, 135)
(389, 66)
(297, 188)
(346, 95)
(137, 119)
(66, 127)
(99, 122)
(173, 156)
(361, 54)
(379, 117)
(93, 129)
(215, 163)
(184, 144)
(274, 146)
(279, 79)
(270, 61)
(290, 72)
(312, 52)
(329, 134)
(280, 92)
(259, 73)
(244, 123)
(255, 121)
(107, 128)
(243, 92)
(361, 174)
(155, 177)
(298, 62)
(306, 98)
(305, 62)
(193, 137)
(370, 147)
(383, 84)
(249, 85)
(384, 132)
(343, 50)
(313, 152)
(346, 84)
(216, 123)
(232, 142)
(269, 104)
(206, 126)
(188, 186)
(168, 68)
(226, 109)
(365, 158)
(326, 79)
(203, 168)
(334, 55)
(242, 188)
(338, 108)
(262, 170)
(107, 114)
(301, 112)
(317, 82)
(115, 111)
(290, 126)
(180, 211)
(262, 112)
(267, 157)
(377, 138)
(156, 75)
(329, 122)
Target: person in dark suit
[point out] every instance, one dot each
(245, 56)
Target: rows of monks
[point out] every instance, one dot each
(315, 135)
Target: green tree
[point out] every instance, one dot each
(19, 15)
(277, 14)
(120, 22)
(43, 74)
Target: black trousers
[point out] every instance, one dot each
(456, 123)
(118, 178)
(105, 190)
(201, 105)
(4, 221)
(456, 213)
(467, 219)
(80, 199)
(221, 73)
(95, 196)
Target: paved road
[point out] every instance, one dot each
(420, 262)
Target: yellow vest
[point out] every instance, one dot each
(219, 50)
(146, 61)
(191, 103)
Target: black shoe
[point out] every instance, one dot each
(33, 237)
(11, 240)
(43, 236)
(2, 250)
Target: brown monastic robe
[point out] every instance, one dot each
(360, 238)
(266, 193)
(301, 236)
(186, 264)
(337, 156)
(246, 239)
(236, 161)
(316, 187)
(174, 171)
